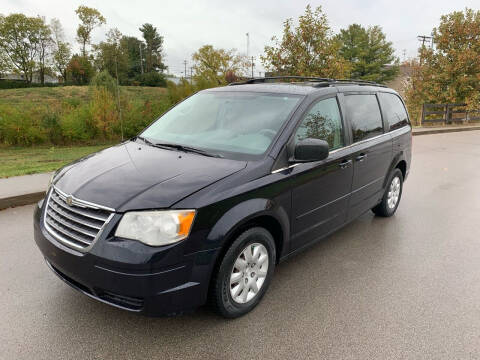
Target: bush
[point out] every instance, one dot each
(177, 93)
(17, 84)
(151, 79)
(51, 127)
(17, 127)
(73, 120)
(77, 125)
(104, 79)
(104, 112)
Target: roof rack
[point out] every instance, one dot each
(272, 78)
(320, 81)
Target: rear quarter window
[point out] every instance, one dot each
(393, 110)
(365, 117)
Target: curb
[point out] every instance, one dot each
(423, 131)
(31, 198)
(20, 200)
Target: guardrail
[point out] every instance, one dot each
(450, 113)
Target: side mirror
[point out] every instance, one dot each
(309, 149)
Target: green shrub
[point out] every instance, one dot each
(104, 79)
(104, 113)
(77, 124)
(18, 128)
(177, 93)
(151, 79)
(52, 128)
(18, 84)
(91, 118)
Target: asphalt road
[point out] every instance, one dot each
(403, 287)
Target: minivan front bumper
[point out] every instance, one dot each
(137, 278)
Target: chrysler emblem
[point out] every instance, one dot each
(69, 200)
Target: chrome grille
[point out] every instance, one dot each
(73, 222)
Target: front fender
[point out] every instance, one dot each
(244, 212)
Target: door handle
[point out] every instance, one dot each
(361, 157)
(344, 164)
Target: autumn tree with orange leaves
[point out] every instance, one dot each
(450, 71)
(308, 48)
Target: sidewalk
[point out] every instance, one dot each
(23, 190)
(28, 189)
(443, 129)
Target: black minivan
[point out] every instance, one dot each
(205, 202)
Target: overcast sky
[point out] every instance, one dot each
(187, 25)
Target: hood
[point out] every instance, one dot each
(133, 176)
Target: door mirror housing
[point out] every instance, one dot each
(309, 150)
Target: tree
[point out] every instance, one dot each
(449, 72)
(131, 45)
(45, 45)
(61, 49)
(111, 56)
(90, 18)
(19, 41)
(308, 49)
(371, 55)
(80, 70)
(154, 47)
(214, 65)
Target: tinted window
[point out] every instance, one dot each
(364, 115)
(323, 121)
(393, 110)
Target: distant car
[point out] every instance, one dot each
(206, 201)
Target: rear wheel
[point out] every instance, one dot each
(244, 273)
(391, 198)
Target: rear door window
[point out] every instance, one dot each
(393, 110)
(364, 114)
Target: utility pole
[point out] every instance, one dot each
(191, 75)
(253, 64)
(248, 42)
(141, 57)
(424, 38)
(404, 52)
(185, 63)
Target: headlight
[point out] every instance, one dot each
(156, 228)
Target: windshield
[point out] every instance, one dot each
(228, 123)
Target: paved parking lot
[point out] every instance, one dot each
(403, 287)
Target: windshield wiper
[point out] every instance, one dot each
(187, 149)
(145, 140)
(179, 147)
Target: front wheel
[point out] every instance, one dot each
(391, 198)
(244, 273)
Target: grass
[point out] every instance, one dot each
(56, 95)
(16, 161)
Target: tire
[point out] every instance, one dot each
(255, 241)
(388, 206)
